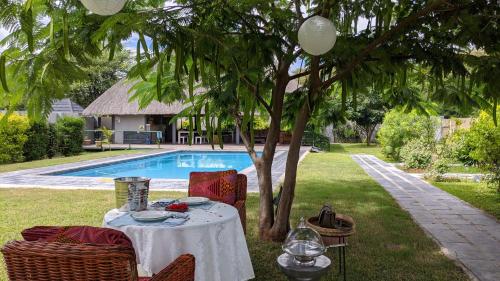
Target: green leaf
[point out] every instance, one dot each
(190, 141)
(28, 5)
(191, 83)
(144, 45)
(219, 132)
(112, 47)
(198, 120)
(3, 74)
(51, 33)
(138, 61)
(156, 49)
(65, 36)
(159, 76)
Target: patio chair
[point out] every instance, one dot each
(42, 259)
(223, 186)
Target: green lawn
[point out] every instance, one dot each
(360, 148)
(465, 169)
(476, 194)
(388, 244)
(63, 160)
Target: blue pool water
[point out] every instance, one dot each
(175, 165)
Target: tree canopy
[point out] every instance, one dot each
(242, 53)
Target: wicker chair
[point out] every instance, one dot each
(42, 261)
(241, 190)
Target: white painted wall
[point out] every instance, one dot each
(128, 123)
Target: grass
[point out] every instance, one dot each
(465, 169)
(388, 245)
(479, 195)
(63, 160)
(360, 148)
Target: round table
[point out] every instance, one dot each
(214, 236)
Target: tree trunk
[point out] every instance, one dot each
(264, 165)
(281, 224)
(368, 135)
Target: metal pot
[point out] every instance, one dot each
(131, 193)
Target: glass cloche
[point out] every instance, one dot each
(304, 244)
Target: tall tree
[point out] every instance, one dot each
(101, 74)
(242, 52)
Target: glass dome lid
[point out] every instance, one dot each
(304, 244)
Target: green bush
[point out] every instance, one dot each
(398, 128)
(314, 139)
(12, 138)
(459, 146)
(485, 140)
(417, 153)
(36, 146)
(69, 135)
(52, 141)
(438, 168)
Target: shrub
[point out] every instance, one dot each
(315, 139)
(399, 128)
(36, 146)
(485, 140)
(51, 141)
(460, 147)
(12, 138)
(69, 135)
(439, 167)
(417, 154)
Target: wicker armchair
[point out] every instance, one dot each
(241, 190)
(42, 261)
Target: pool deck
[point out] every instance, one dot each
(41, 178)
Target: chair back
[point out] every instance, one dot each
(41, 261)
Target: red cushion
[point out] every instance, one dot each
(40, 232)
(92, 235)
(218, 186)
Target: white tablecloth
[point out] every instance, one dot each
(215, 237)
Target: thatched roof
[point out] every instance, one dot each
(115, 101)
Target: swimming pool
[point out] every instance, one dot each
(173, 165)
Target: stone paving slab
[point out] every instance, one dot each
(43, 178)
(465, 233)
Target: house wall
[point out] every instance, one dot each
(127, 123)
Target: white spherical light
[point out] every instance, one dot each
(317, 35)
(104, 7)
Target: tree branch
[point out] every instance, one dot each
(408, 21)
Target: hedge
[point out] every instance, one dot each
(69, 135)
(12, 138)
(37, 144)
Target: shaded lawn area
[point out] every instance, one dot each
(64, 160)
(388, 244)
(479, 195)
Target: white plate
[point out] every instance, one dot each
(150, 215)
(191, 201)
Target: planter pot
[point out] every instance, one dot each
(98, 144)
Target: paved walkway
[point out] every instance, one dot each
(465, 233)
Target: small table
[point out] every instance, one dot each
(214, 236)
(295, 272)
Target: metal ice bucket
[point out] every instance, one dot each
(131, 193)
